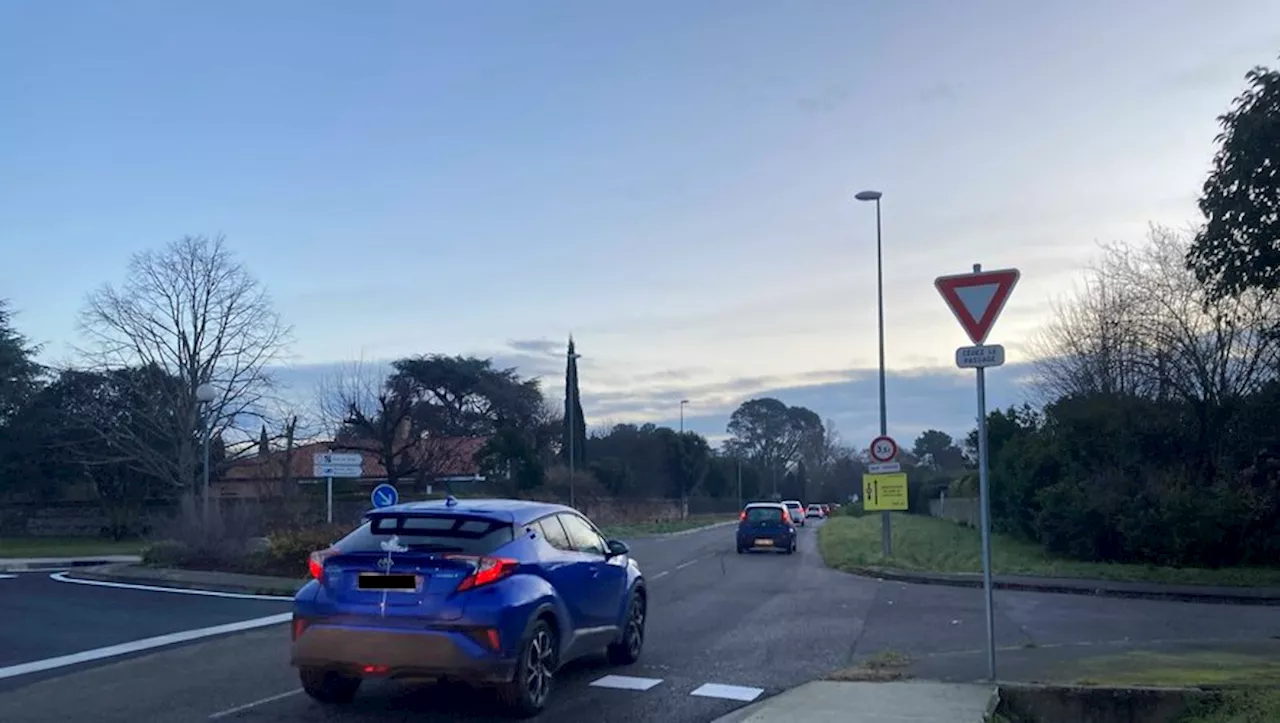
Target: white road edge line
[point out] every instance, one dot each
(135, 646)
(254, 704)
(62, 577)
(664, 573)
(729, 692)
(625, 682)
(683, 565)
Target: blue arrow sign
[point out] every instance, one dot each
(385, 495)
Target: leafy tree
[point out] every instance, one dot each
(456, 396)
(1238, 249)
(937, 450)
(575, 426)
(687, 458)
(19, 372)
(774, 435)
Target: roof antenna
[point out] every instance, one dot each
(451, 501)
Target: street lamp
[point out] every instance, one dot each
(886, 535)
(205, 394)
(573, 429)
(682, 403)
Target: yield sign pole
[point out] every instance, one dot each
(977, 299)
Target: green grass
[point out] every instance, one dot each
(928, 544)
(1144, 668)
(657, 528)
(1245, 706)
(66, 547)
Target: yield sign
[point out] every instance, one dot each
(977, 298)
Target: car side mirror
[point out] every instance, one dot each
(617, 548)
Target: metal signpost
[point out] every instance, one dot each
(349, 465)
(977, 299)
(885, 488)
(385, 495)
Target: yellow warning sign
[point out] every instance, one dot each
(884, 491)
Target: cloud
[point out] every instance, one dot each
(917, 399)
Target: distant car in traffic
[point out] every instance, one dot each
(797, 511)
(494, 592)
(766, 526)
(815, 510)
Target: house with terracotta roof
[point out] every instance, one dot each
(270, 472)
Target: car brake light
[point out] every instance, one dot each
(742, 516)
(315, 563)
(299, 627)
(487, 570)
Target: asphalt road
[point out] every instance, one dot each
(762, 623)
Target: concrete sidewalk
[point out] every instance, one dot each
(31, 564)
(826, 701)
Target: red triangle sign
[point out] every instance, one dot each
(977, 298)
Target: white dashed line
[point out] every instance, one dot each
(626, 682)
(7, 577)
(683, 565)
(62, 577)
(664, 573)
(728, 692)
(254, 704)
(135, 646)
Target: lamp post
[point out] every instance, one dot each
(886, 534)
(205, 394)
(684, 478)
(572, 396)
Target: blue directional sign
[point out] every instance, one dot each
(385, 495)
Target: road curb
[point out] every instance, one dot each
(692, 530)
(111, 573)
(1096, 588)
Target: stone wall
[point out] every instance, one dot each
(259, 517)
(964, 510)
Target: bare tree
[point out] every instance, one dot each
(1092, 343)
(378, 412)
(194, 313)
(1145, 326)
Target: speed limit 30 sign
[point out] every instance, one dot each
(883, 449)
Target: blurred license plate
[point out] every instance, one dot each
(374, 581)
(764, 542)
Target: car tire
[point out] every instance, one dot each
(741, 549)
(627, 650)
(527, 693)
(329, 687)
(792, 549)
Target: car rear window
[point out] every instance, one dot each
(794, 505)
(764, 514)
(431, 533)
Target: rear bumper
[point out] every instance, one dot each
(399, 653)
(781, 541)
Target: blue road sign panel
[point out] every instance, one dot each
(385, 495)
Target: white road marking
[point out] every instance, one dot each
(135, 646)
(626, 682)
(683, 565)
(62, 577)
(254, 704)
(728, 692)
(661, 574)
(6, 577)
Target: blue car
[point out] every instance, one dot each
(766, 526)
(493, 592)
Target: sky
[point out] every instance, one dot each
(671, 181)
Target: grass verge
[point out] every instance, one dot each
(929, 544)
(1249, 681)
(18, 547)
(658, 528)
